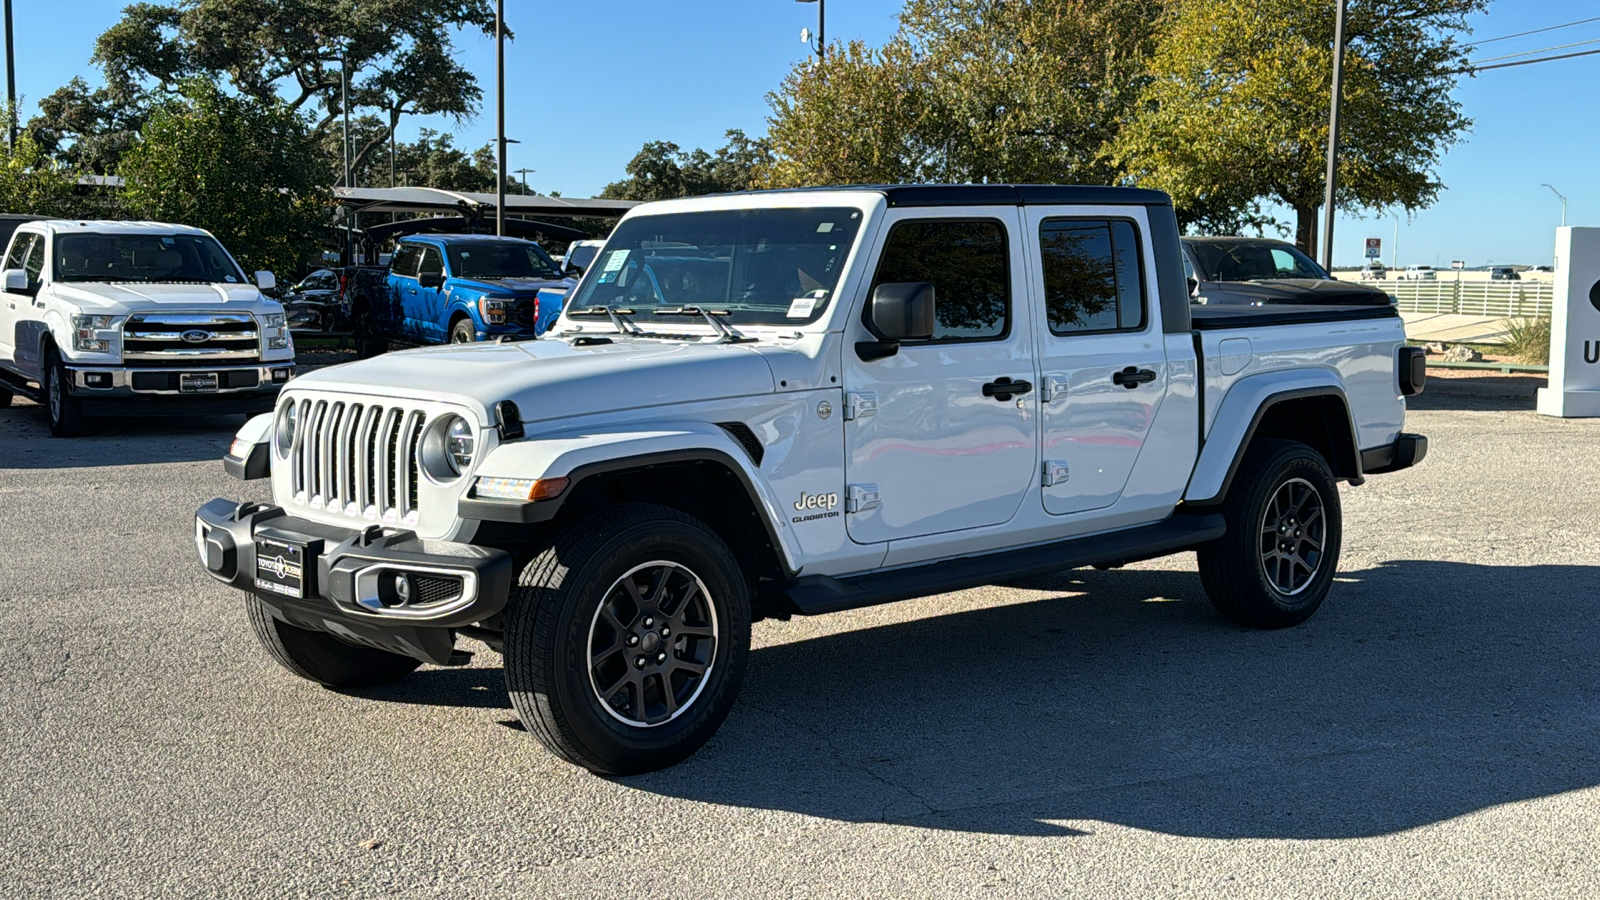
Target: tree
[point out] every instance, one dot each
(32, 183)
(662, 170)
(1236, 110)
(246, 170)
(400, 55)
(969, 90)
(432, 160)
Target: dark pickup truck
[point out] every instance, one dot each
(1247, 271)
(455, 289)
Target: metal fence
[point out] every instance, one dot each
(1503, 299)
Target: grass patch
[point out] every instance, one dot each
(1529, 340)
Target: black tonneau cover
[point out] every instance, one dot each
(1210, 318)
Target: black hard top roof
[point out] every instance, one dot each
(1003, 194)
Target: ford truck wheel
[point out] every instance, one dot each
(462, 332)
(626, 639)
(64, 410)
(1276, 563)
(323, 658)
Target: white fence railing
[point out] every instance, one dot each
(1504, 299)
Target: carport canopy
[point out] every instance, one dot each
(439, 200)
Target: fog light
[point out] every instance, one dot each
(100, 380)
(280, 376)
(402, 589)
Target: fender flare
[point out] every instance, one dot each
(1241, 413)
(579, 456)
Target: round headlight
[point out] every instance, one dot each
(283, 430)
(458, 443)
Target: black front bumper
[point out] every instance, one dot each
(349, 578)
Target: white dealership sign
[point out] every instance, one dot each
(1574, 390)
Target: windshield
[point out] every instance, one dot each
(507, 259)
(1250, 260)
(193, 258)
(763, 266)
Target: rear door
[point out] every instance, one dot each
(928, 449)
(400, 283)
(1102, 359)
(14, 306)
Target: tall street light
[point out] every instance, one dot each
(500, 116)
(1552, 190)
(1333, 138)
(11, 85)
(821, 46)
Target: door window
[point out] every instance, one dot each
(432, 263)
(967, 264)
(1093, 278)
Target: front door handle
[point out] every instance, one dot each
(1132, 377)
(1003, 389)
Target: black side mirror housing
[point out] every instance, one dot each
(898, 311)
(431, 279)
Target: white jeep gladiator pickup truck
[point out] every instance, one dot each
(135, 318)
(766, 404)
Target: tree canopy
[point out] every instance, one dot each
(662, 170)
(1235, 110)
(248, 171)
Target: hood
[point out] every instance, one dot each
(552, 379)
(1291, 290)
(528, 286)
(134, 297)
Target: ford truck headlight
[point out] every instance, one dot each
(447, 448)
(495, 310)
(283, 429)
(274, 332)
(84, 337)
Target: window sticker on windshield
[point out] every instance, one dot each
(824, 228)
(613, 265)
(802, 307)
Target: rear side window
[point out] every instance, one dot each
(405, 260)
(1093, 275)
(967, 262)
(19, 250)
(432, 263)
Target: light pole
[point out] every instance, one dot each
(524, 173)
(1394, 248)
(500, 116)
(1333, 138)
(1552, 190)
(821, 46)
(11, 85)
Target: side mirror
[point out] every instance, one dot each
(16, 281)
(899, 311)
(266, 281)
(573, 269)
(431, 279)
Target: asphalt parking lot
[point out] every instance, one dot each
(1433, 731)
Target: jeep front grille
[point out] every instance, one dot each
(159, 338)
(357, 459)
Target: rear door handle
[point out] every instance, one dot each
(1003, 389)
(1132, 377)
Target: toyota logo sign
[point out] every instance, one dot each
(196, 336)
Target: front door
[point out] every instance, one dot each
(1102, 360)
(929, 449)
(425, 308)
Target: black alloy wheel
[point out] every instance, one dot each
(652, 644)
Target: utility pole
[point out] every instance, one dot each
(500, 116)
(1333, 139)
(524, 173)
(344, 103)
(11, 84)
(821, 47)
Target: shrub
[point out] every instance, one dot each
(1529, 340)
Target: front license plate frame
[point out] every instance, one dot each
(198, 383)
(281, 566)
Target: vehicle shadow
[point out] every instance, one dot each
(25, 441)
(1483, 393)
(1422, 691)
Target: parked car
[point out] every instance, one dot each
(136, 318)
(1374, 271)
(1249, 271)
(1419, 273)
(316, 302)
(902, 391)
(455, 288)
(1542, 269)
(1504, 273)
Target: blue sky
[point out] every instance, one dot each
(591, 81)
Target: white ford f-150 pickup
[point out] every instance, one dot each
(796, 402)
(135, 318)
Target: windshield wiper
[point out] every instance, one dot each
(725, 332)
(617, 317)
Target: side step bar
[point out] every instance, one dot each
(811, 595)
(18, 385)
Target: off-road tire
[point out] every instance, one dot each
(551, 620)
(62, 408)
(323, 658)
(462, 332)
(1233, 570)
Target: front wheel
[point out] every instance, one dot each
(323, 658)
(63, 408)
(1275, 564)
(626, 640)
(463, 333)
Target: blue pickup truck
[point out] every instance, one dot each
(455, 288)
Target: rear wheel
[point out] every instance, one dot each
(626, 640)
(362, 327)
(62, 407)
(323, 658)
(1276, 563)
(462, 332)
